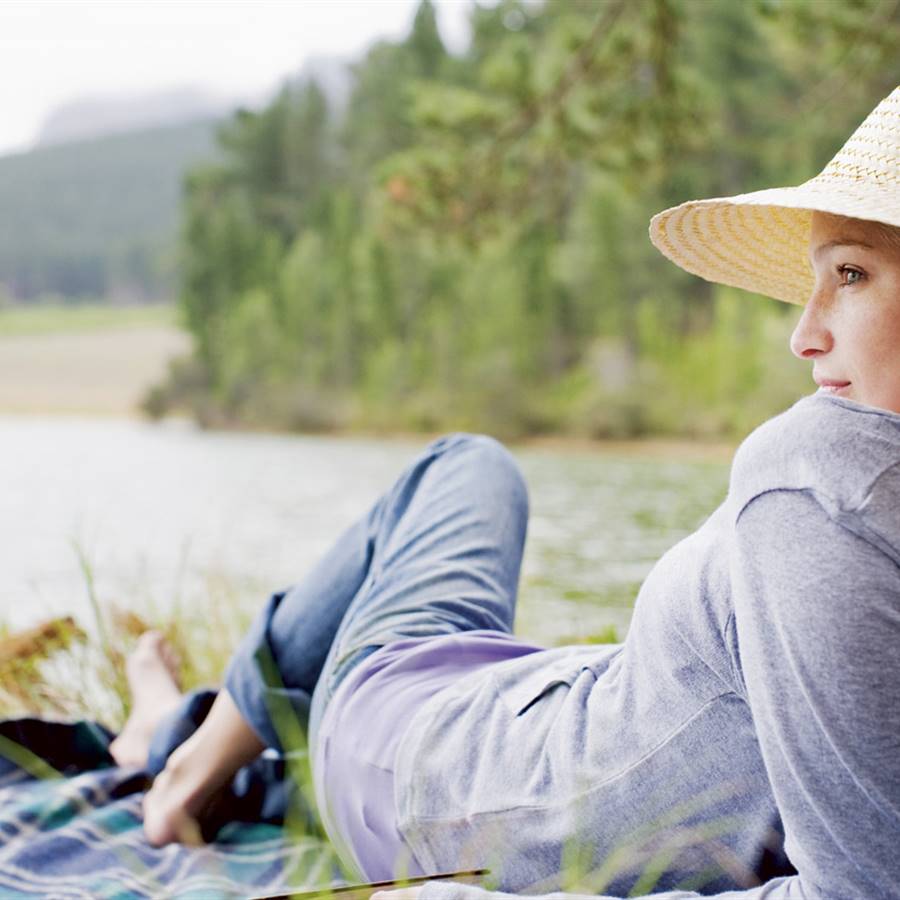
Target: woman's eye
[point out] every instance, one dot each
(850, 276)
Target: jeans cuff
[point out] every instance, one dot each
(278, 715)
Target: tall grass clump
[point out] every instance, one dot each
(68, 669)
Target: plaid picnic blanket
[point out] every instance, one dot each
(70, 827)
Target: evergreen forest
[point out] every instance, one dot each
(464, 245)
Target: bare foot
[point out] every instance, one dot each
(154, 690)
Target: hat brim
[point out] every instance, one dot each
(760, 241)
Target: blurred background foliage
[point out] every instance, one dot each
(463, 244)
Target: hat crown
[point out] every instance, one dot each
(872, 153)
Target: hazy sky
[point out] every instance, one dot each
(51, 52)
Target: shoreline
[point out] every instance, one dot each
(96, 363)
(661, 447)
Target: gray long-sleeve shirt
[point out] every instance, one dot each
(757, 691)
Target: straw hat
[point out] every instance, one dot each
(759, 241)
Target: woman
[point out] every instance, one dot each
(744, 739)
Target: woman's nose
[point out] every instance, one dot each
(811, 336)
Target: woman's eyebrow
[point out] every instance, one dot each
(822, 248)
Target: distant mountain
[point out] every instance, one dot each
(97, 218)
(93, 210)
(86, 118)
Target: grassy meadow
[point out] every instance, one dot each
(90, 359)
(56, 318)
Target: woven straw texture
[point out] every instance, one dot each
(759, 241)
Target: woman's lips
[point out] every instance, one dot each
(830, 385)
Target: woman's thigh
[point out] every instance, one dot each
(447, 550)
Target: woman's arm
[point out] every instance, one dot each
(817, 616)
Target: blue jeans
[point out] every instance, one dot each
(439, 553)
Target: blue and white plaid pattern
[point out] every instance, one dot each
(81, 837)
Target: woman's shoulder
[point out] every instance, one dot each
(846, 454)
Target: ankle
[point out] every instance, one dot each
(214, 752)
(191, 773)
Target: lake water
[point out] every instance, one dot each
(163, 513)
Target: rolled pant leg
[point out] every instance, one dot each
(274, 670)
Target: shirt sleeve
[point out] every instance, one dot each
(817, 620)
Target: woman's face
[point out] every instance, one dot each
(850, 327)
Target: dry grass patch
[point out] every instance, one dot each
(103, 372)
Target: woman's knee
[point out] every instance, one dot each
(487, 465)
